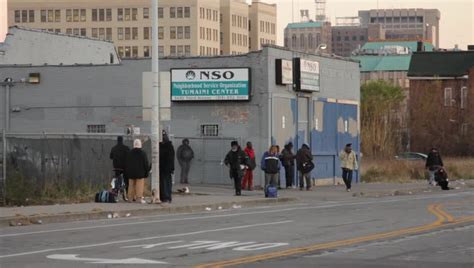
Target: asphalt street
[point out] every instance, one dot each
(425, 230)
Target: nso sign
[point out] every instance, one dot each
(305, 75)
(210, 84)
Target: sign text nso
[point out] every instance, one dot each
(210, 84)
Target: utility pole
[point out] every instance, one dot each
(8, 83)
(155, 109)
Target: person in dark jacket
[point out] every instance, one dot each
(433, 163)
(166, 168)
(137, 168)
(237, 161)
(304, 161)
(270, 164)
(288, 161)
(184, 154)
(118, 154)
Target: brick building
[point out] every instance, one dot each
(441, 102)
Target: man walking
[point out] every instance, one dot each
(348, 165)
(433, 163)
(118, 154)
(247, 183)
(185, 154)
(304, 161)
(237, 161)
(166, 168)
(288, 161)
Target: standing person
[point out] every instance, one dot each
(288, 161)
(278, 174)
(433, 163)
(184, 154)
(118, 154)
(247, 183)
(237, 161)
(137, 168)
(348, 165)
(166, 168)
(304, 161)
(270, 164)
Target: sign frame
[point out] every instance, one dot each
(279, 74)
(297, 76)
(249, 75)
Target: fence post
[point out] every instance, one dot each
(4, 168)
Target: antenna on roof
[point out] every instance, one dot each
(304, 15)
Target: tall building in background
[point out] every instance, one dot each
(186, 27)
(405, 24)
(307, 36)
(262, 25)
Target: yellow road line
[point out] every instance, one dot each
(441, 216)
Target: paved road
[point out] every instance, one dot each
(426, 230)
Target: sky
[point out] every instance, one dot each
(456, 25)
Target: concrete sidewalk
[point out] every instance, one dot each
(207, 197)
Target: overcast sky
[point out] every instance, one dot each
(456, 25)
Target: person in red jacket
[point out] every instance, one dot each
(247, 183)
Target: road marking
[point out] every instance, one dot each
(73, 257)
(153, 245)
(239, 214)
(260, 246)
(441, 221)
(145, 238)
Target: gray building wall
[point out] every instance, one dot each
(71, 97)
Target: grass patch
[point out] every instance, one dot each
(401, 171)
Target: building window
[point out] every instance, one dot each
(302, 42)
(146, 13)
(448, 96)
(172, 51)
(108, 14)
(160, 12)
(161, 51)
(32, 16)
(120, 52)
(95, 128)
(187, 12)
(463, 97)
(464, 129)
(161, 32)
(146, 33)
(127, 33)
(210, 130)
(75, 15)
(187, 51)
(102, 33)
(172, 12)
(120, 33)
(24, 16)
(146, 51)
(134, 14)
(18, 16)
(119, 14)
(187, 32)
(134, 52)
(180, 32)
(69, 31)
(179, 12)
(101, 14)
(108, 34)
(172, 32)
(134, 33)
(84, 32)
(94, 15)
(127, 52)
(75, 31)
(43, 15)
(310, 41)
(180, 51)
(83, 15)
(57, 30)
(127, 14)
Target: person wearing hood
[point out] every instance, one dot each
(237, 161)
(247, 183)
(118, 155)
(184, 154)
(270, 164)
(304, 161)
(137, 168)
(288, 160)
(348, 164)
(433, 163)
(166, 169)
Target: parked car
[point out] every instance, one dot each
(411, 156)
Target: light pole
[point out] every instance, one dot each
(155, 109)
(7, 83)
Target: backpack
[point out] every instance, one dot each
(105, 197)
(271, 191)
(307, 167)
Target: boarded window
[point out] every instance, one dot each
(463, 97)
(448, 95)
(210, 130)
(95, 128)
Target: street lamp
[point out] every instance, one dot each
(322, 47)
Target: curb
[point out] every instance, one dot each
(103, 215)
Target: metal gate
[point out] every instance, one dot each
(208, 163)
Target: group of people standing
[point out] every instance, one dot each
(242, 163)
